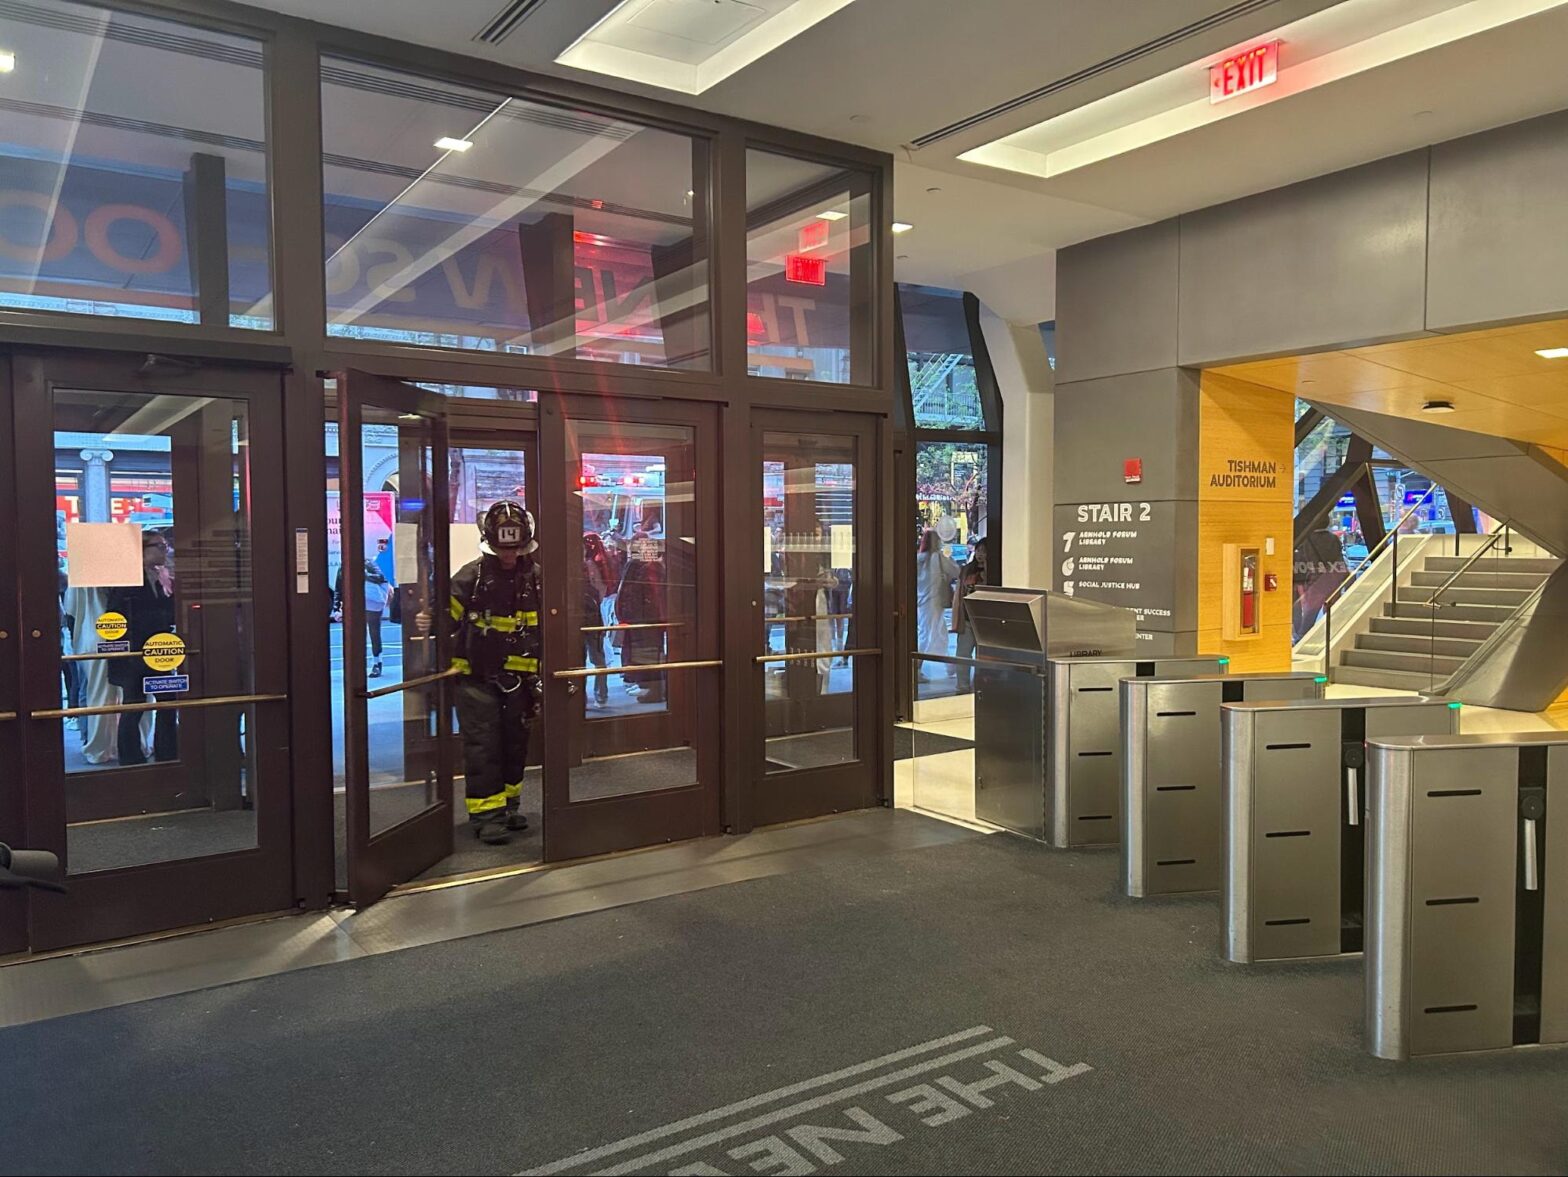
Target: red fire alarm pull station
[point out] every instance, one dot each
(1270, 582)
(1132, 470)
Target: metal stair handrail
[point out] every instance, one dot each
(1502, 533)
(1492, 640)
(1390, 536)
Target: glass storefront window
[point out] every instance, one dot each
(457, 217)
(133, 169)
(808, 270)
(941, 359)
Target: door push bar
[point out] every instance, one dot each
(868, 651)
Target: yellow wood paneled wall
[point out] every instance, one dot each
(1242, 429)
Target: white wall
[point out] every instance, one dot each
(1024, 375)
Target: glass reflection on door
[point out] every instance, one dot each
(633, 597)
(396, 455)
(153, 540)
(808, 585)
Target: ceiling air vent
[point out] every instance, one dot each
(1223, 16)
(505, 22)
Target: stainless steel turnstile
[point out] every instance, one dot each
(1467, 893)
(1082, 797)
(1016, 632)
(1172, 824)
(1292, 786)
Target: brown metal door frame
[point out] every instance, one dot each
(804, 793)
(378, 862)
(129, 901)
(13, 795)
(576, 829)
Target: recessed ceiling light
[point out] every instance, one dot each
(933, 189)
(1553, 353)
(7, 61)
(831, 215)
(447, 143)
(901, 227)
(903, 257)
(692, 45)
(1438, 407)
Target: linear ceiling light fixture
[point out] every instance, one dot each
(7, 61)
(691, 45)
(1332, 44)
(832, 214)
(447, 143)
(1553, 353)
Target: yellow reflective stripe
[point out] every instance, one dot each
(479, 805)
(514, 790)
(462, 666)
(456, 607)
(516, 662)
(507, 624)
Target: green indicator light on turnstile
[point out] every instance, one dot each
(1322, 678)
(1223, 661)
(1455, 706)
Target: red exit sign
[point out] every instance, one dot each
(805, 269)
(1249, 70)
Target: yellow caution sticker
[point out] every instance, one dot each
(111, 627)
(164, 651)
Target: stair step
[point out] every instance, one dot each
(1452, 564)
(1413, 663)
(1476, 631)
(1479, 577)
(1423, 644)
(1368, 676)
(1464, 595)
(1494, 615)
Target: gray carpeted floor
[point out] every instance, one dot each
(506, 1052)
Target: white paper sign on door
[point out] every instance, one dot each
(103, 555)
(841, 541)
(463, 545)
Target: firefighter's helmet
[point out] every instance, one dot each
(507, 524)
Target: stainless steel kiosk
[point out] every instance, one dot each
(1292, 786)
(1016, 632)
(1172, 824)
(1467, 893)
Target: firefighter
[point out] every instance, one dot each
(495, 605)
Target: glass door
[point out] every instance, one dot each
(629, 520)
(152, 667)
(397, 711)
(818, 668)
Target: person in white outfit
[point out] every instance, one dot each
(934, 576)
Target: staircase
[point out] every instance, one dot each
(1414, 647)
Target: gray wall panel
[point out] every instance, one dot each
(1116, 304)
(1498, 247)
(1336, 260)
(1148, 415)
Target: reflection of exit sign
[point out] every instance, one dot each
(808, 270)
